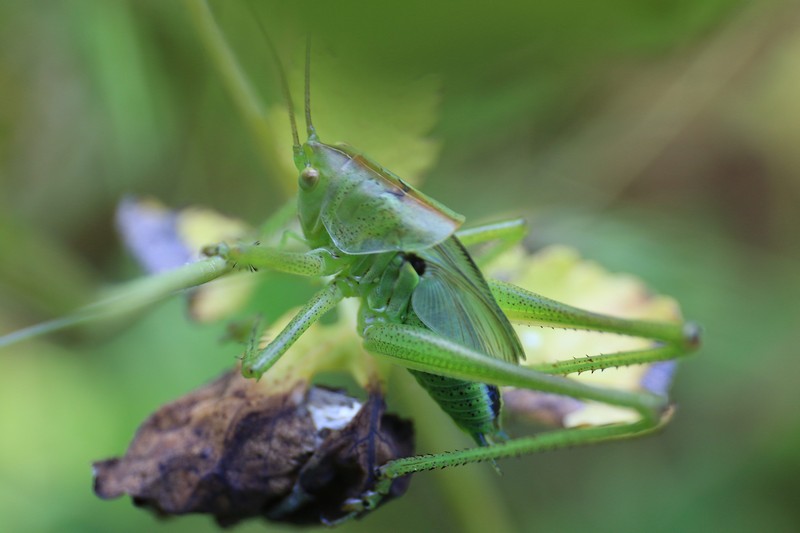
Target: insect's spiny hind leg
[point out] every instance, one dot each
(552, 440)
(671, 339)
(592, 363)
(420, 349)
(549, 441)
(524, 306)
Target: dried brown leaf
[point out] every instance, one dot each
(232, 450)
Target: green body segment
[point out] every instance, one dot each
(362, 208)
(474, 407)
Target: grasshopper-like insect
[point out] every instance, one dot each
(425, 305)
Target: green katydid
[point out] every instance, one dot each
(425, 305)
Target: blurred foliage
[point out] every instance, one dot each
(656, 137)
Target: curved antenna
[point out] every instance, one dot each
(312, 133)
(287, 95)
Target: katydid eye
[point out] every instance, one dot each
(309, 178)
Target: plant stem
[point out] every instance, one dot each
(240, 90)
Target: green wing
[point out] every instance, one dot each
(453, 300)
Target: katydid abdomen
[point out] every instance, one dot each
(474, 407)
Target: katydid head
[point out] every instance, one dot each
(316, 171)
(349, 201)
(313, 171)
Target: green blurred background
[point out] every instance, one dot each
(659, 138)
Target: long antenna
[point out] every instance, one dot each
(287, 95)
(312, 133)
